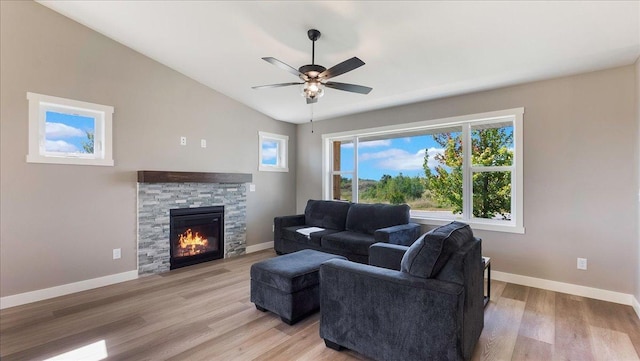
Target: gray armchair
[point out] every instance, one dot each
(423, 302)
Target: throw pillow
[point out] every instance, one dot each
(426, 256)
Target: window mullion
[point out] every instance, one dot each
(497, 168)
(467, 198)
(354, 182)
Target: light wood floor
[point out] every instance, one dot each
(203, 313)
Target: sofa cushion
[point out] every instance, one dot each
(366, 218)
(326, 214)
(292, 234)
(426, 257)
(348, 242)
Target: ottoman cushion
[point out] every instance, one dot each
(289, 285)
(291, 272)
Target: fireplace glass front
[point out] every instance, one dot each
(197, 235)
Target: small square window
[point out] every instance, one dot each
(273, 152)
(66, 131)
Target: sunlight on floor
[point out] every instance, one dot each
(92, 352)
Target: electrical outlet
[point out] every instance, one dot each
(183, 140)
(203, 143)
(582, 263)
(252, 187)
(117, 253)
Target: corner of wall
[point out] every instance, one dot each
(637, 164)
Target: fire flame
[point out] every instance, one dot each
(190, 240)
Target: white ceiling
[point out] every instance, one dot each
(413, 51)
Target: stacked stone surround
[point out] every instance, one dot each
(156, 199)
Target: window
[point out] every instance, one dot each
(466, 168)
(343, 170)
(273, 152)
(66, 131)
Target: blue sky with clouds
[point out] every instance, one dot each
(391, 156)
(66, 133)
(397, 155)
(269, 152)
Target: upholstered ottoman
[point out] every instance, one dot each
(289, 285)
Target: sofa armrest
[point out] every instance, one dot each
(404, 234)
(289, 221)
(386, 255)
(389, 314)
(282, 222)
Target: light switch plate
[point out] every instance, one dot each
(582, 263)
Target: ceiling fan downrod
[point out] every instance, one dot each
(313, 36)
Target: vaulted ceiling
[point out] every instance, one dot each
(413, 50)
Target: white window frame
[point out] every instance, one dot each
(282, 154)
(39, 104)
(352, 173)
(515, 225)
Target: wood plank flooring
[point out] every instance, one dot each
(203, 312)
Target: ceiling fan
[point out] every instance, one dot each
(315, 76)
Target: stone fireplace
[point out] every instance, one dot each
(162, 193)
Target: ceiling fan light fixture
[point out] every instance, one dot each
(312, 89)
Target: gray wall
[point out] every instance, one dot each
(637, 162)
(580, 197)
(59, 223)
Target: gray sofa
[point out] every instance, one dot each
(423, 302)
(348, 228)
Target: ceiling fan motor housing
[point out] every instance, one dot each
(311, 70)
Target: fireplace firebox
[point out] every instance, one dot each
(197, 235)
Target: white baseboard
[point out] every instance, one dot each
(590, 292)
(43, 294)
(259, 247)
(636, 306)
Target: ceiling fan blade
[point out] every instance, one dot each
(349, 87)
(285, 67)
(312, 100)
(274, 85)
(341, 68)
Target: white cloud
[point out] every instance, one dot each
(60, 130)
(370, 144)
(403, 160)
(400, 159)
(389, 153)
(269, 153)
(60, 146)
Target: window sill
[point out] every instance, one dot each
(474, 225)
(272, 169)
(69, 160)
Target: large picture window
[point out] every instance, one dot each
(465, 168)
(66, 131)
